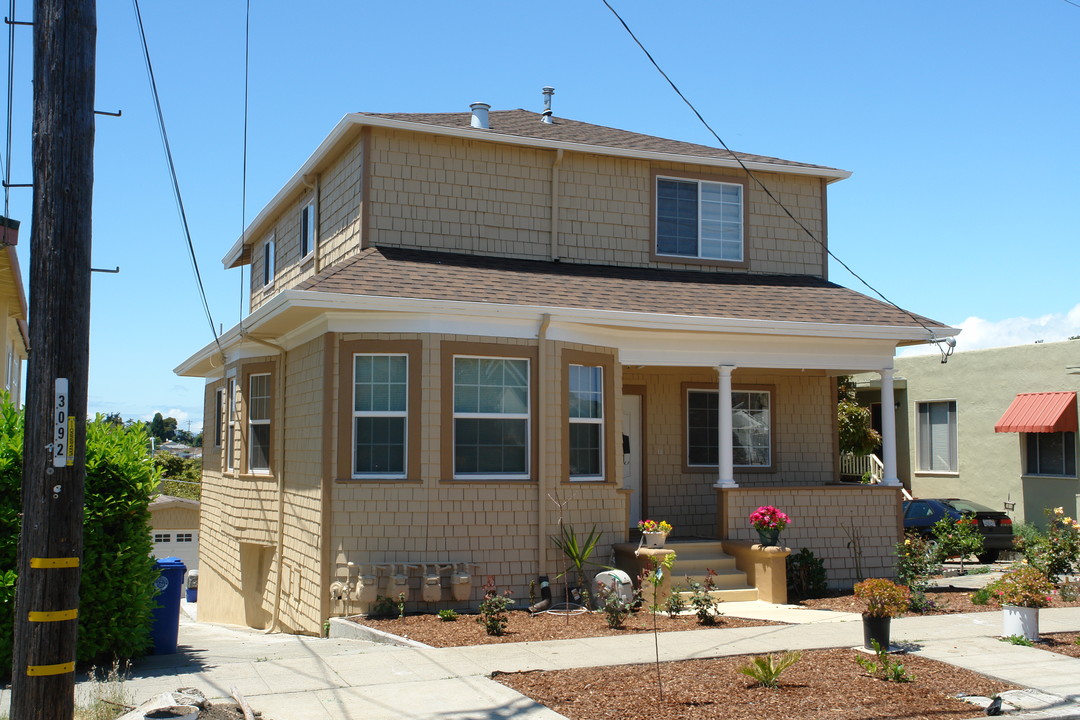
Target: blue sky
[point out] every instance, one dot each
(958, 120)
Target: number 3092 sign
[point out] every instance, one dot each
(63, 426)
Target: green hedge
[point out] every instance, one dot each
(116, 596)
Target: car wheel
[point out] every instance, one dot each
(989, 556)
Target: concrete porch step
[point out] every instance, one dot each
(740, 594)
(695, 557)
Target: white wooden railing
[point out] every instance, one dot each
(859, 465)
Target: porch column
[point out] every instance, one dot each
(888, 428)
(726, 472)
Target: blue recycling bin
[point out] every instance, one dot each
(166, 618)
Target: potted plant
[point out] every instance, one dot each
(1021, 591)
(769, 521)
(883, 600)
(653, 532)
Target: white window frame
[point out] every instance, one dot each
(1068, 441)
(230, 435)
(382, 413)
(734, 392)
(924, 434)
(307, 230)
(253, 421)
(184, 537)
(700, 218)
(268, 269)
(599, 421)
(162, 537)
(526, 416)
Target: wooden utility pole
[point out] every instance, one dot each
(54, 454)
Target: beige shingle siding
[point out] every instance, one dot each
(802, 440)
(831, 522)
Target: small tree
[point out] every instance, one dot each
(958, 537)
(857, 435)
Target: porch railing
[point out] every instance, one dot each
(859, 465)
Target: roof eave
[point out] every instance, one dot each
(348, 124)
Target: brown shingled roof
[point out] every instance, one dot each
(420, 274)
(523, 123)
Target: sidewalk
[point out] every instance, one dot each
(303, 678)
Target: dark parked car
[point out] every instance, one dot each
(995, 526)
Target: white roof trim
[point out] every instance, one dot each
(347, 302)
(353, 120)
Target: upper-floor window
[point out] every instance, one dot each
(230, 436)
(380, 415)
(699, 219)
(258, 404)
(937, 436)
(268, 263)
(586, 395)
(1051, 453)
(751, 428)
(307, 230)
(491, 417)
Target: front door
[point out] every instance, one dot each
(631, 456)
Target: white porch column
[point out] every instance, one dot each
(888, 428)
(726, 472)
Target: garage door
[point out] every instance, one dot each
(183, 544)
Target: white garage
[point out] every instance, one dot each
(174, 525)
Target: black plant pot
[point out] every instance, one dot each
(875, 628)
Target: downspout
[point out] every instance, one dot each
(555, 206)
(279, 447)
(542, 464)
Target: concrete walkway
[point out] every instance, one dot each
(302, 678)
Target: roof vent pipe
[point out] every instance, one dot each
(480, 115)
(546, 116)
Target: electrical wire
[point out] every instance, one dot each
(760, 184)
(10, 96)
(243, 181)
(172, 174)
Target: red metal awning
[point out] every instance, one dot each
(1040, 413)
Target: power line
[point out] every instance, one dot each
(172, 173)
(243, 181)
(753, 177)
(10, 96)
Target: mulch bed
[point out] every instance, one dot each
(947, 600)
(1061, 643)
(523, 627)
(824, 684)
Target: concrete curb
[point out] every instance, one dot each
(342, 628)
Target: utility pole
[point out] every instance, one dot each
(54, 452)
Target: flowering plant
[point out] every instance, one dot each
(651, 526)
(883, 598)
(1023, 586)
(767, 517)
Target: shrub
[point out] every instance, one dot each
(883, 598)
(766, 669)
(675, 604)
(806, 574)
(1069, 591)
(916, 561)
(919, 603)
(1055, 552)
(960, 537)
(1017, 640)
(614, 607)
(1023, 586)
(116, 596)
(885, 668)
(981, 596)
(448, 615)
(383, 607)
(706, 607)
(493, 609)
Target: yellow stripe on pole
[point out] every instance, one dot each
(39, 670)
(55, 616)
(49, 563)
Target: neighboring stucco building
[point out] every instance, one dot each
(466, 327)
(995, 426)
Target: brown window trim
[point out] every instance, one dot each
(685, 430)
(607, 362)
(243, 388)
(446, 372)
(414, 350)
(654, 256)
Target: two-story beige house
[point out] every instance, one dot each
(468, 327)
